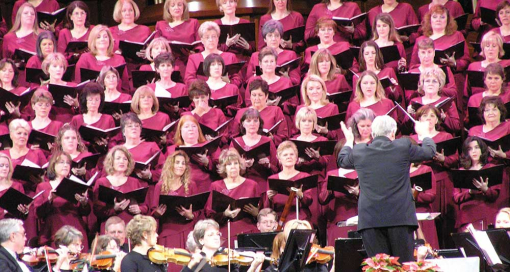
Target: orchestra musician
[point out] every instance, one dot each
(12, 243)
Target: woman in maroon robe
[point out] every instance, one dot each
(337, 8)
(6, 183)
(101, 54)
(230, 167)
(214, 67)
(109, 78)
(45, 45)
(282, 11)
(454, 7)
(502, 14)
(385, 34)
(288, 156)
(77, 27)
(45, 5)
(209, 36)
(402, 13)
(41, 104)
(476, 23)
(54, 211)
(157, 46)
(9, 82)
(272, 31)
(118, 165)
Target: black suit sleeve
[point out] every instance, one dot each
(426, 151)
(345, 158)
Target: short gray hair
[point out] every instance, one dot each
(7, 227)
(200, 228)
(383, 126)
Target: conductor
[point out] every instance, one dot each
(386, 212)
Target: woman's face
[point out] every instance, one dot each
(7, 74)
(502, 220)
(158, 49)
(146, 101)
(491, 113)
(132, 130)
(212, 238)
(382, 28)
(189, 132)
(79, 17)
(426, 56)
(273, 39)
(326, 34)
(120, 162)
(438, 21)
(389, 2)
(306, 125)
(4, 168)
(176, 8)
(102, 40)
(369, 55)
(280, 5)
(474, 151)
(324, 66)
(56, 70)
(165, 70)
(153, 238)
(76, 246)
(210, 40)
(201, 101)
(19, 136)
(179, 166)
(504, 16)
(314, 91)
(368, 86)
(28, 16)
(288, 157)
(431, 85)
(268, 64)
(233, 168)
(365, 128)
(113, 247)
(431, 118)
(110, 81)
(494, 82)
(69, 141)
(42, 108)
(229, 6)
(258, 99)
(251, 125)
(216, 69)
(47, 47)
(62, 167)
(93, 102)
(128, 13)
(491, 51)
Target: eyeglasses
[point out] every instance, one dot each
(78, 246)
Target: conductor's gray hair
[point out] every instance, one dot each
(9, 226)
(383, 126)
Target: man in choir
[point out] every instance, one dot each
(387, 215)
(116, 227)
(12, 241)
(266, 220)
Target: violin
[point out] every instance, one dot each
(34, 256)
(321, 255)
(162, 255)
(232, 256)
(103, 260)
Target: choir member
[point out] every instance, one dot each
(116, 227)
(40, 5)
(424, 199)
(272, 32)
(55, 211)
(209, 33)
(439, 25)
(478, 207)
(361, 125)
(288, 157)
(41, 104)
(476, 22)
(45, 45)
(118, 165)
(207, 235)
(493, 112)
(77, 27)
(23, 35)
(426, 54)
(101, 53)
(324, 65)
(503, 16)
(126, 12)
(370, 94)
(69, 242)
(454, 7)
(266, 220)
(175, 181)
(214, 66)
(235, 44)
(503, 218)
(109, 78)
(251, 125)
(142, 232)
(156, 46)
(385, 34)
(230, 167)
(337, 8)
(430, 87)
(6, 182)
(9, 82)
(12, 242)
(371, 59)
(189, 133)
(271, 115)
(402, 13)
(281, 10)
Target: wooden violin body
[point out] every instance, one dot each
(162, 255)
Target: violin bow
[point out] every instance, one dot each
(94, 245)
(48, 263)
(228, 241)
(297, 202)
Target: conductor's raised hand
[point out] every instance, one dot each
(349, 136)
(422, 128)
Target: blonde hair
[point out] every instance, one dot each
(17, 22)
(144, 90)
(167, 174)
(492, 37)
(138, 226)
(19, 123)
(379, 92)
(295, 224)
(320, 55)
(117, 10)
(166, 13)
(206, 26)
(227, 156)
(155, 42)
(110, 157)
(53, 58)
(286, 145)
(11, 168)
(94, 33)
(303, 113)
(304, 86)
(437, 73)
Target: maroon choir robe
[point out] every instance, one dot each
(283, 57)
(337, 84)
(334, 49)
(293, 20)
(454, 7)
(186, 32)
(424, 201)
(17, 186)
(327, 110)
(270, 115)
(194, 61)
(59, 213)
(450, 89)
(62, 114)
(9, 117)
(3, 28)
(11, 41)
(396, 94)
(476, 21)
(477, 66)
(45, 5)
(52, 129)
(498, 132)
(476, 99)
(34, 62)
(257, 172)
(403, 15)
(241, 53)
(281, 84)
(123, 97)
(347, 10)
(156, 122)
(244, 190)
(212, 119)
(452, 121)
(104, 122)
(279, 200)
(505, 38)
(176, 91)
(65, 37)
(443, 43)
(380, 108)
(104, 211)
(89, 61)
(144, 151)
(139, 33)
(228, 90)
(402, 52)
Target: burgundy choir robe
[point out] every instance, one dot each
(476, 21)
(380, 108)
(186, 32)
(64, 115)
(11, 41)
(476, 99)
(89, 61)
(452, 121)
(283, 57)
(477, 66)
(281, 84)
(505, 38)
(244, 190)
(3, 28)
(194, 61)
(327, 110)
(241, 53)
(498, 132)
(52, 129)
(59, 213)
(228, 90)
(293, 20)
(337, 84)
(403, 15)
(17, 186)
(270, 115)
(454, 7)
(139, 33)
(144, 151)
(450, 89)
(334, 49)
(386, 72)
(424, 201)
(123, 97)
(45, 5)
(347, 10)
(402, 52)
(65, 37)
(212, 119)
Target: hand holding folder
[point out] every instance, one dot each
(12, 199)
(221, 202)
(282, 185)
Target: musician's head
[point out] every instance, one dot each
(188, 131)
(324, 63)
(231, 164)
(272, 32)
(295, 224)
(157, 46)
(19, 129)
(12, 234)
(287, 154)
(503, 218)
(207, 234)
(251, 122)
(214, 66)
(306, 120)
(9, 73)
(92, 98)
(131, 125)
(41, 102)
(384, 26)
(69, 237)
(144, 98)
(59, 165)
(370, 55)
(314, 90)
(384, 125)
(116, 227)
(191, 244)
(107, 243)
(368, 86)
(266, 220)
(142, 231)
(164, 63)
(45, 44)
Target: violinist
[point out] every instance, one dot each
(69, 242)
(266, 220)
(107, 244)
(12, 242)
(142, 232)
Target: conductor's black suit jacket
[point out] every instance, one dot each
(385, 189)
(7, 262)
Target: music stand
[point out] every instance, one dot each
(501, 242)
(296, 250)
(349, 254)
(259, 241)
